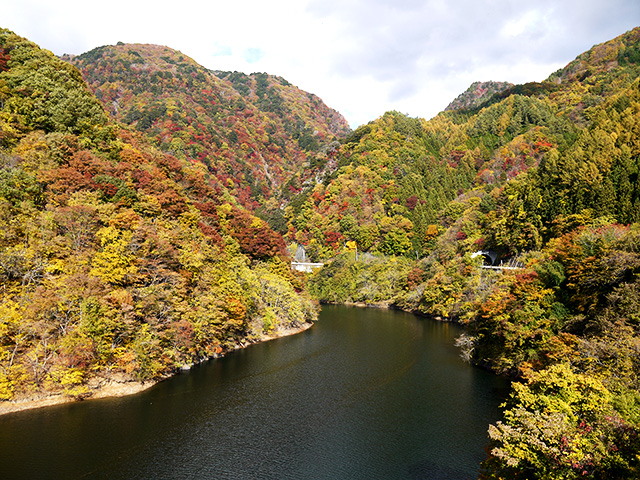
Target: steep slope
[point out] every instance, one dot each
(118, 262)
(409, 169)
(385, 194)
(403, 172)
(259, 135)
(557, 197)
(477, 94)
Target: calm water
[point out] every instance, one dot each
(364, 394)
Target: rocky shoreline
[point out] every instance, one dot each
(118, 386)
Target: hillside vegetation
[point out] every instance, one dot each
(130, 249)
(117, 261)
(257, 134)
(545, 177)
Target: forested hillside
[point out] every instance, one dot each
(572, 136)
(118, 261)
(130, 249)
(257, 134)
(545, 178)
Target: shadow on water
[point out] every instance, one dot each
(364, 394)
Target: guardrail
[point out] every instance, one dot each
(306, 266)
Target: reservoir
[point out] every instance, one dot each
(363, 394)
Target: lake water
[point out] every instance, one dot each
(364, 394)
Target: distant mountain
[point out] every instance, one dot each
(396, 176)
(259, 135)
(602, 60)
(477, 94)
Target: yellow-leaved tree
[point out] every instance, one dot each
(115, 262)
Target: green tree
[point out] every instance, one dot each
(562, 425)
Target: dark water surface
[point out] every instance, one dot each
(364, 394)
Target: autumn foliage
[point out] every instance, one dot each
(543, 179)
(118, 260)
(517, 216)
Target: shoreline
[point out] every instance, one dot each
(388, 305)
(114, 388)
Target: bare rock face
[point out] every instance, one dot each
(476, 94)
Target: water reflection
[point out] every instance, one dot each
(365, 394)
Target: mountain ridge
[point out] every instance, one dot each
(121, 256)
(256, 131)
(119, 263)
(477, 94)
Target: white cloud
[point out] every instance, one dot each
(527, 24)
(361, 57)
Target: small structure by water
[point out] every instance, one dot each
(306, 266)
(487, 255)
(299, 260)
(298, 254)
(491, 267)
(490, 257)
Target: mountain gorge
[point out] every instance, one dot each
(146, 203)
(547, 177)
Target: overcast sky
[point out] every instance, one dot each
(362, 57)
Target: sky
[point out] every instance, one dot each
(362, 57)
